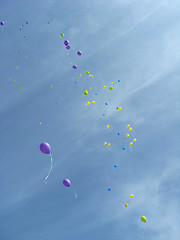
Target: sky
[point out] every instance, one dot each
(134, 41)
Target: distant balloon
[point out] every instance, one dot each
(143, 219)
(86, 92)
(2, 23)
(79, 53)
(115, 166)
(126, 204)
(106, 103)
(110, 88)
(66, 182)
(123, 148)
(131, 196)
(118, 133)
(118, 80)
(62, 35)
(45, 148)
(66, 42)
(68, 47)
(74, 66)
(27, 22)
(109, 189)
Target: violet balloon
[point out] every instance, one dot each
(45, 148)
(68, 47)
(66, 42)
(66, 182)
(2, 23)
(79, 53)
(74, 66)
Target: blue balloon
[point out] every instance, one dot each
(123, 148)
(118, 80)
(118, 133)
(115, 166)
(106, 103)
(109, 189)
(103, 115)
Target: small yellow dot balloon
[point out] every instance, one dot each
(109, 144)
(126, 205)
(40, 123)
(131, 196)
(107, 126)
(88, 103)
(93, 102)
(89, 87)
(80, 75)
(51, 86)
(127, 135)
(20, 88)
(134, 140)
(130, 129)
(17, 67)
(25, 56)
(91, 75)
(119, 108)
(128, 126)
(111, 82)
(105, 143)
(104, 86)
(130, 144)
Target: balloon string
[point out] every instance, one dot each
(49, 170)
(75, 194)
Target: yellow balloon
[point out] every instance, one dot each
(128, 126)
(130, 144)
(40, 123)
(90, 88)
(131, 196)
(80, 75)
(127, 135)
(17, 67)
(88, 103)
(105, 143)
(104, 86)
(91, 75)
(111, 82)
(119, 108)
(93, 102)
(130, 129)
(107, 126)
(109, 144)
(134, 140)
(126, 205)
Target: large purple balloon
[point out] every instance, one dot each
(2, 23)
(66, 42)
(66, 182)
(45, 148)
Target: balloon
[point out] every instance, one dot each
(123, 148)
(68, 47)
(127, 135)
(110, 88)
(93, 102)
(2, 23)
(27, 22)
(88, 103)
(119, 108)
(79, 53)
(109, 189)
(111, 82)
(86, 92)
(106, 103)
(109, 144)
(118, 133)
(105, 143)
(66, 42)
(130, 144)
(87, 73)
(104, 115)
(45, 148)
(115, 166)
(118, 80)
(107, 126)
(134, 140)
(131, 196)
(74, 66)
(126, 205)
(104, 86)
(16, 67)
(62, 35)
(130, 129)
(66, 182)
(128, 126)
(143, 219)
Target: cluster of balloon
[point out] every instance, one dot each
(46, 149)
(67, 183)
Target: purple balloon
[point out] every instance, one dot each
(2, 23)
(45, 148)
(74, 66)
(66, 42)
(68, 47)
(27, 22)
(79, 53)
(66, 182)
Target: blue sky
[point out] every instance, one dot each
(136, 42)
